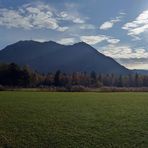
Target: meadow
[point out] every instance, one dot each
(73, 120)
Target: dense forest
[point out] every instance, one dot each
(12, 75)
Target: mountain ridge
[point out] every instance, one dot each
(51, 56)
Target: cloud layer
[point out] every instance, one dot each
(133, 58)
(138, 26)
(109, 24)
(121, 51)
(68, 19)
(92, 40)
(66, 41)
(37, 16)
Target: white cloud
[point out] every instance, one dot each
(40, 40)
(113, 41)
(28, 17)
(126, 52)
(122, 13)
(37, 16)
(66, 41)
(62, 29)
(138, 26)
(106, 25)
(78, 20)
(92, 40)
(87, 26)
(69, 16)
(134, 63)
(130, 57)
(109, 24)
(12, 18)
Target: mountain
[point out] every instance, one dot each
(51, 56)
(138, 71)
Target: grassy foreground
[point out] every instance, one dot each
(64, 120)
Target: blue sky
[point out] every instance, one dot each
(115, 28)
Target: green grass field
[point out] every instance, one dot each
(77, 120)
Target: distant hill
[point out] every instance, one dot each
(143, 72)
(51, 56)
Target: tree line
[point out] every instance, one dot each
(12, 75)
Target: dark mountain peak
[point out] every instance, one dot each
(26, 42)
(86, 48)
(52, 43)
(51, 56)
(32, 42)
(81, 44)
(22, 43)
